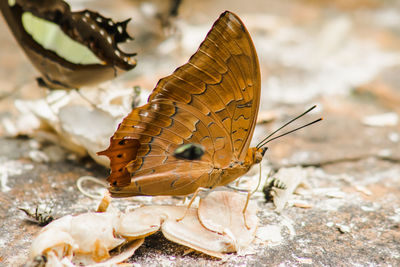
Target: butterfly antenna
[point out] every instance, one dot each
(266, 139)
(301, 127)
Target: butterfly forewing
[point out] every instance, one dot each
(222, 80)
(212, 100)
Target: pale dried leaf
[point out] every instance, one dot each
(222, 212)
(189, 232)
(87, 228)
(53, 239)
(146, 220)
(270, 234)
(292, 178)
(138, 223)
(124, 253)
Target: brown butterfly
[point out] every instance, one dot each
(213, 101)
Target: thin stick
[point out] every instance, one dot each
(95, 180)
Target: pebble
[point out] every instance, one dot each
(343, 228)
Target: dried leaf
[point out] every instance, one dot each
(191, 233)
(87, 228)
(222, 212)
(292, 178)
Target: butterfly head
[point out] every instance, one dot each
(256, 154)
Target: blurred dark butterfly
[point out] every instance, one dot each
(70, 49)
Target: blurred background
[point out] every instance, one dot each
(343, 55)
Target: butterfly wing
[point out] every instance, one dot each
(212, 100)
(83, 45)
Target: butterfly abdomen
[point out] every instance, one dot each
(176, 178)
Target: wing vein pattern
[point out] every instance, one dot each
(212, 100)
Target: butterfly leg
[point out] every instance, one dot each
(249, 194)
(191, 202)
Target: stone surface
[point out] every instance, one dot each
(342, 56)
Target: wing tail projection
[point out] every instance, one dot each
(120, 153)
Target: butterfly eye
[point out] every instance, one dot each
(190, 151)
(263, 150)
